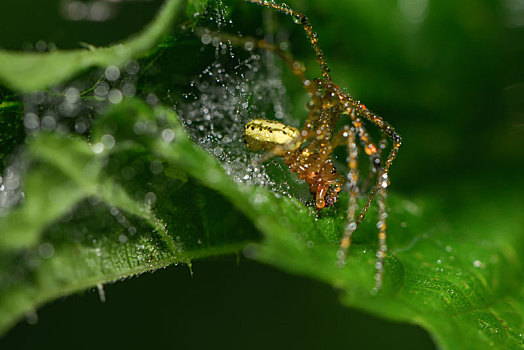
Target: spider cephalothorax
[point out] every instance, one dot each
(321, 176)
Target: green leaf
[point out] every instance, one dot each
(33, 71)
(456, 277)
(79, 226)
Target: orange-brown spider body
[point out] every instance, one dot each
(308, 151)
(320, 174)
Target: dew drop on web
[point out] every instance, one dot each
(241, 83)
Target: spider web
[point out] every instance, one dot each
(240, 84)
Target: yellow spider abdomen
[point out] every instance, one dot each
(267, 135)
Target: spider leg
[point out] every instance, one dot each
(352, 178)
(296, 67)
(382, 215)
(316, 129)
(370, 180)
(301, 18)
(380, 187)
(376, 163)
(383, 175)
(382, 145)
(349, 103)
(298, 70)
(382, 247)
(249, 43)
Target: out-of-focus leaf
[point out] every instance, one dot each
(81, 224)
(32, 71)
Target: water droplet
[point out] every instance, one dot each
(98, 148)
(46, 250)
(168, 135)
(80, 127)
(31, 317)
(101, 292)
(151, 99)
(99, 11)
(156, 167)
(132, 67)
(101, 89)
(72, 95)
(31, 121)
(115, 96)
(206, 39)
(217, 151)
(249, 45)
(129, 90)
(48, 123)
(112, 73)
(108, 141)
(150, 198)
(139, 128)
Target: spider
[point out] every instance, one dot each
(308, 151)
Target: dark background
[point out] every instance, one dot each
(225, 305)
